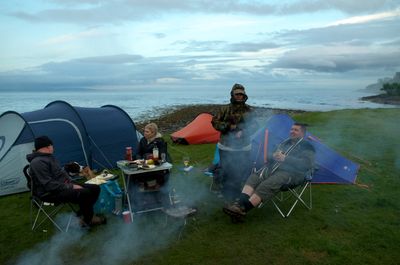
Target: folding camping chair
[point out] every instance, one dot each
(294, 194)
(46, 211)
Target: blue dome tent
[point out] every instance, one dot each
(332, 168)
(96, 137)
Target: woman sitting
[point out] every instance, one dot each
(152, 180)
(152, 139)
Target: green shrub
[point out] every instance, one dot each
(391, 89)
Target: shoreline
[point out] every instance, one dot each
(174, 118)
(383, 99)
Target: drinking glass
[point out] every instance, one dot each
(163, 158)
(186, 161)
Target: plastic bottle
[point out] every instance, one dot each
(155, 153)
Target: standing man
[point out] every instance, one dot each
(290, 162)
(52, 184)
(233, 121)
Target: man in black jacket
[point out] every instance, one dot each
(52, 184)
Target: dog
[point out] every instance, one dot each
(74, 170)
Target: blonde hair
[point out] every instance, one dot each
(152, 127)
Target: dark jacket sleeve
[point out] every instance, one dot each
(45, 177)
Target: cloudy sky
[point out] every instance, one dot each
(127, 44)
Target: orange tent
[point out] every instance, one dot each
(199, 131)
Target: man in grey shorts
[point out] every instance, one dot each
(289, 164)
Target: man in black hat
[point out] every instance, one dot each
(52, 184)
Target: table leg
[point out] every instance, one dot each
(126, 185)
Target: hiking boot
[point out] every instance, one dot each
(235, 210)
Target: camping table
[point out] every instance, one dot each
(128, 173)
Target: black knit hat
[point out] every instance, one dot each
(42, 141)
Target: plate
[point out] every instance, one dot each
(146, 167)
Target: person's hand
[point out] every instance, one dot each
(279, 156)
(76, 187)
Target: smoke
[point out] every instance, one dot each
(121, 243)
(118, 242)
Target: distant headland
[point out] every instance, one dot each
(389, 89)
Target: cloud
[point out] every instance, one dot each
(368, 18)
(89, 33)
(368, 32)
(191, 46)
(251, 47)
(342, 48)
(347, 7)
(338, 58)
(105, 12)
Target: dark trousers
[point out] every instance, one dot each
(235, 168)
(85, 198)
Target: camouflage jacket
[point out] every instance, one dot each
(239, 114)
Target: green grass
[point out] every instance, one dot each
(349, 224)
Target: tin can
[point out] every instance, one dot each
(128, 153)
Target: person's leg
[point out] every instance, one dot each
(256, 190)
(226, 173)
(85, 198)
(270, 186)
(240, 207)
(240, 171)
(235, 169)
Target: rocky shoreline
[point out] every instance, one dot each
(176, 118)
(383, 99)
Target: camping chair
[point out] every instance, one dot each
(294, 194)
(46, 211)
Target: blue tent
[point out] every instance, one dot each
(332, 167)
(96, 137)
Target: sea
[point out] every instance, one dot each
(141, 104)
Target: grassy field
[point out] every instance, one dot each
(349, 224)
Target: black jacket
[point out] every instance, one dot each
(47, 174)
(146, 148)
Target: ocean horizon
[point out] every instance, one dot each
(144, 103)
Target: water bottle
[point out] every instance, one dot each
(155, 153)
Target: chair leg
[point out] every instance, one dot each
(298, 198)
(48, 216)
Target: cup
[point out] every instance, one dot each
(126, 215)
(163, 158)
(186, 161)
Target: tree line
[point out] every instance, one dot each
(392, 89)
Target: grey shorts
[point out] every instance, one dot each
(267, 187)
